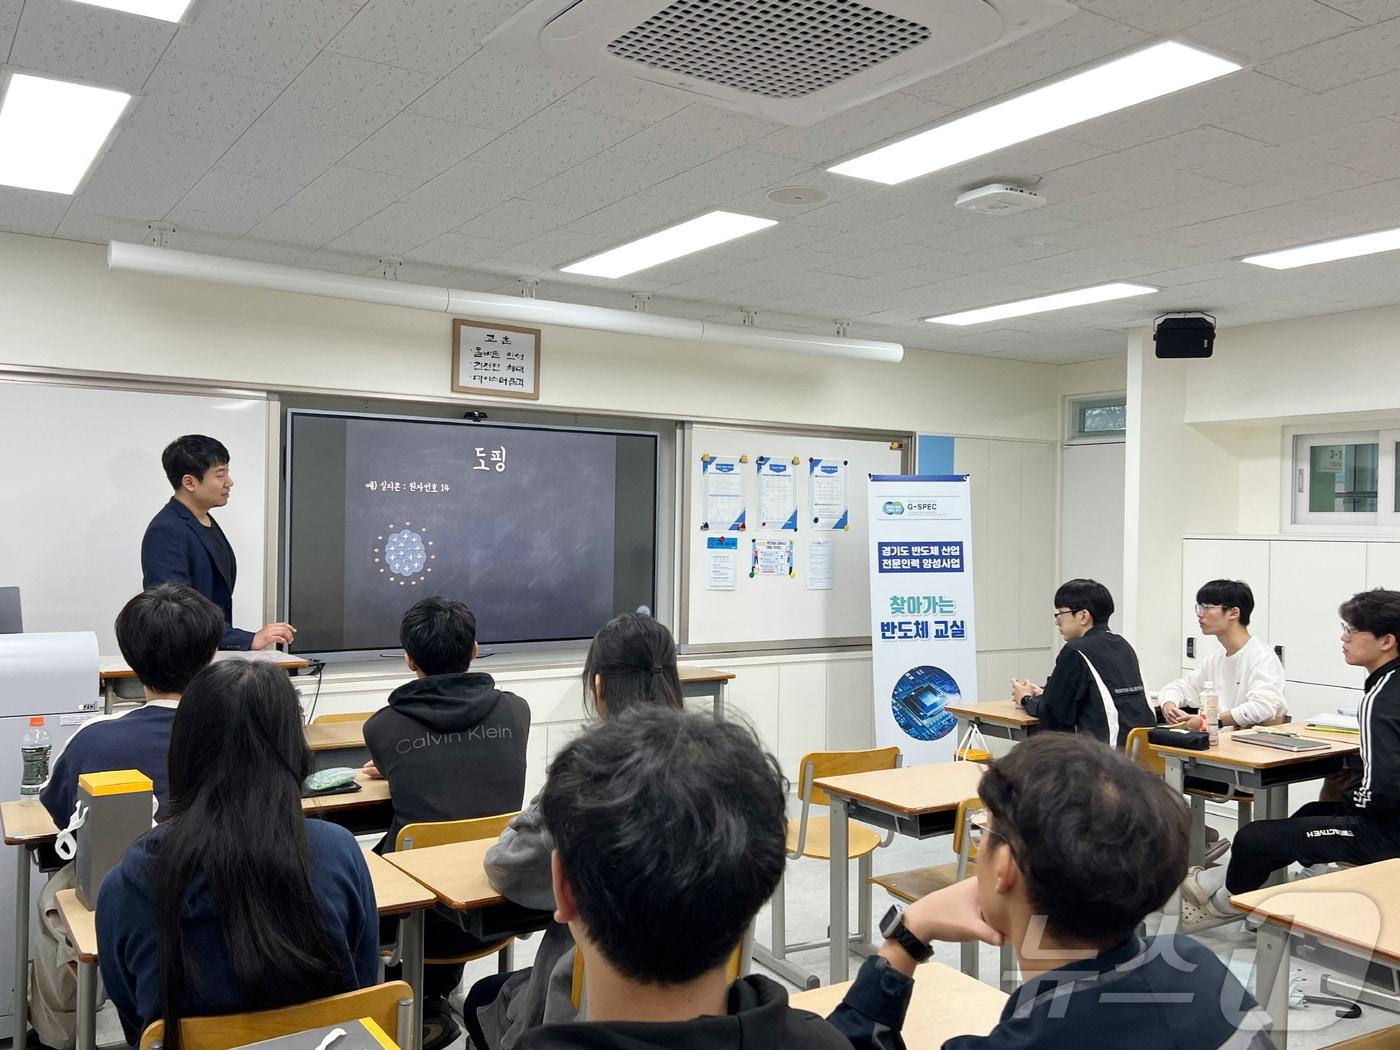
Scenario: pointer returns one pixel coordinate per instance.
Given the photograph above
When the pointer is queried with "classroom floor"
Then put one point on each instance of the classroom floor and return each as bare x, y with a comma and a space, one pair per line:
1312, 1027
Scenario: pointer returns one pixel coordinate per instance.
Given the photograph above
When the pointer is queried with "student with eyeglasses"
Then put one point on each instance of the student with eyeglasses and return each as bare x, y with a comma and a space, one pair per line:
1096, 685
1362, 826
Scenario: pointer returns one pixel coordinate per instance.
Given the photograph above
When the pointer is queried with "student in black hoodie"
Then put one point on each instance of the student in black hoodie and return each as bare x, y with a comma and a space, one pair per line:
669, 832
452, 747
1096, 685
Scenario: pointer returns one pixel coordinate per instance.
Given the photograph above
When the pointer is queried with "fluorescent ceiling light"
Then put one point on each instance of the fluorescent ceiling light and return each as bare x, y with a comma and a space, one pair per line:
1147, 74
51, 130
1327, 251
1100, 293
671, 243
165, 10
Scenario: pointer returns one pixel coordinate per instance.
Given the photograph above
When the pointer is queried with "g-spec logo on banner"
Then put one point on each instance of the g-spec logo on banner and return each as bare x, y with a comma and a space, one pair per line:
920, 557
944, 508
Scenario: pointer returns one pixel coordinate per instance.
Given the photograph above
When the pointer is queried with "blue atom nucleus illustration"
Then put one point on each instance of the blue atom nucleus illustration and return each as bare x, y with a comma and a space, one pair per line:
403, 554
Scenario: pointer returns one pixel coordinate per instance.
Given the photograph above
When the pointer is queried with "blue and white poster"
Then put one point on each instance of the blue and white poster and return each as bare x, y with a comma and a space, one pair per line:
923, 646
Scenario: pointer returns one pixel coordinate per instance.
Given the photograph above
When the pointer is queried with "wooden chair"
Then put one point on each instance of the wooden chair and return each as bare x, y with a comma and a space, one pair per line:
347, 716
390, 1006
736, 967
1140, 751
440, 833
810, 836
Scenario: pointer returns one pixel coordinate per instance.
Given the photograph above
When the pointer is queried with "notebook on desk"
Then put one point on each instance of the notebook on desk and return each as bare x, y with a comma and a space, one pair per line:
1282, 741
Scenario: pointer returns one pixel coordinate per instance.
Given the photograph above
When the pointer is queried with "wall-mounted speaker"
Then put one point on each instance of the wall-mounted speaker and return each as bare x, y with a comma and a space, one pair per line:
1184, 335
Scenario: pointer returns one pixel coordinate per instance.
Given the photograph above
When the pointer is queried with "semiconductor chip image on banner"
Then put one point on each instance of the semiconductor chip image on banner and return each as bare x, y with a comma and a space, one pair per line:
920, 700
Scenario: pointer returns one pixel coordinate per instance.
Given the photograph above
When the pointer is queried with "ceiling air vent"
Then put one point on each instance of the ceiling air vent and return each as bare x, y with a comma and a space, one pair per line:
792, 61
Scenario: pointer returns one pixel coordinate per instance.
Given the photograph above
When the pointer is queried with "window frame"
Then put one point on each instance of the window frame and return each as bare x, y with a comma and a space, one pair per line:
1298, 441
1074, 407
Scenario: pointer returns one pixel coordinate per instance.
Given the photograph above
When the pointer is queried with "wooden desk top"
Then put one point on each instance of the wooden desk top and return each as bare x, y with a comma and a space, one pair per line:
912, 790
373, 791
26, 825
945, 1003
110, 668
1358, 907
456, 873
335, 736
690, 673
394, 892
1006, 712
81, 923
1229, 752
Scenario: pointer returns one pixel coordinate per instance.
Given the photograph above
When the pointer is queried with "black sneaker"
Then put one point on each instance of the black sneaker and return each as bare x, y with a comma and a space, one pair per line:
440, 1028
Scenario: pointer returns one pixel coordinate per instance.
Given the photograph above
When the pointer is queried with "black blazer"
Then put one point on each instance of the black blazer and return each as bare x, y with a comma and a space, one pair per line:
178, 549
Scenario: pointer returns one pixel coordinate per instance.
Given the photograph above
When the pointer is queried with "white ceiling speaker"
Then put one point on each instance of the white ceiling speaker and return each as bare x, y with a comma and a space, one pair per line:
998, 198
791, 61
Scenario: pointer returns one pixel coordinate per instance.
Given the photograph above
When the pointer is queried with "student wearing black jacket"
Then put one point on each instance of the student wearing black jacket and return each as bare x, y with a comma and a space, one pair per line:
1079, 845
1364, 825
452, 747
1096, 686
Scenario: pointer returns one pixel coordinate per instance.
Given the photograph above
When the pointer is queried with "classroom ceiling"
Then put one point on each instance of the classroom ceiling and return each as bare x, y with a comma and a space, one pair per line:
329, 133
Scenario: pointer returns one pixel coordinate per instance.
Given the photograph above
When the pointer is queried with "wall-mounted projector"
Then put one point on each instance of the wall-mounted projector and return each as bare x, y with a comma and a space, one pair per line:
999, 199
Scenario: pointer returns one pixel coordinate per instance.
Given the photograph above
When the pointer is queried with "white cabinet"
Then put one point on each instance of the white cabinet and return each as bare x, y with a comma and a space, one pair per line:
1221, 559
1383, 565
1308, 580
1306, 700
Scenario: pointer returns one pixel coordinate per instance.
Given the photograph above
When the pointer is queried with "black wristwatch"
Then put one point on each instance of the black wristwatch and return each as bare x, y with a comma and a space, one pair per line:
892, 928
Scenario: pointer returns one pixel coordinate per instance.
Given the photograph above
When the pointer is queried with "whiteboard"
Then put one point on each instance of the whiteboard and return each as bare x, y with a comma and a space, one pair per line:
81, 479
765, 611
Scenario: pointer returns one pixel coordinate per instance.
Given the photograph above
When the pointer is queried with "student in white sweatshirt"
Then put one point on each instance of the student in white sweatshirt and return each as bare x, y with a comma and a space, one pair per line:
1245, 672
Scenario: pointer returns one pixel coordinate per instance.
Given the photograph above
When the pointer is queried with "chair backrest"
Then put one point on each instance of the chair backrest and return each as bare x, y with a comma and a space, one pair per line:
735, 967
441, 832
380, 1003
967, 809
818, 764
345, 716
1140, 751
1382, 1039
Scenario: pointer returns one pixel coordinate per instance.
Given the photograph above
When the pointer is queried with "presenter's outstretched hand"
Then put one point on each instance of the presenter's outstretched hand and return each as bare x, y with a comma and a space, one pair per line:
274, 634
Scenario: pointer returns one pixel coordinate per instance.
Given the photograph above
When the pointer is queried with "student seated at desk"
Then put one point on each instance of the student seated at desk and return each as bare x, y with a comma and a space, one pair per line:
452, 747
631, 663
166, 634
236, 902
1245, 672
1361, 827
1096, 685
1077, 847
669, 833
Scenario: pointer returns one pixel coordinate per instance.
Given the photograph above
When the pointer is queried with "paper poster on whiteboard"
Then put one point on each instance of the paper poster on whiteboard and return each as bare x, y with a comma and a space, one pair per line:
723, 493
830, 511
771, 558
721, 553
923, 650
821, 573
777, 494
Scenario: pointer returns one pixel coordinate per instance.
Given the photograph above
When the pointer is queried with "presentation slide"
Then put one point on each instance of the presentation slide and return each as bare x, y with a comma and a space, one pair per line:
545, 533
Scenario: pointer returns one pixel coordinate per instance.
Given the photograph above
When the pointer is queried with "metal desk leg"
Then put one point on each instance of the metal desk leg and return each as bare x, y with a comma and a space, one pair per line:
411, 929
1010, 976
840, 865
721, 696
87, 1006
21, 947
1176, 780
1271, 978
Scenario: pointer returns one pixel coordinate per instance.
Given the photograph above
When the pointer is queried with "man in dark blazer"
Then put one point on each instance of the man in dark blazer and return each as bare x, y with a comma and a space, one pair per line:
184, 544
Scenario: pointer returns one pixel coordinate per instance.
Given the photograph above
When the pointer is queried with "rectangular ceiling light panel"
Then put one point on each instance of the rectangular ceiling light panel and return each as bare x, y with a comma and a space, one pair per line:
1329, 251
165, 10
697, 234
51, 130
1147, 74
1100, 293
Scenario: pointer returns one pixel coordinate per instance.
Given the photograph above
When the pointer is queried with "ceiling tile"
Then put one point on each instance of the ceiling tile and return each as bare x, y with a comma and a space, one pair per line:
630, 99
231, 203
557, 248
596, 183
932, 261
431, 36
775, 239
691, 137
1379, 199
469, 183
145, 174
1366, 10
856, 130
1159, 18
266, 251
556, 137
493, 92
338, 261
1319, 114
96, 228
353, 195
92, 44
255, 38
201, 103
1362, 53
417, 146
520, 220
308, 228
1266, 28
398, 229
31, 211
456, 250
270, 148
9, 22
637, 215
348, 96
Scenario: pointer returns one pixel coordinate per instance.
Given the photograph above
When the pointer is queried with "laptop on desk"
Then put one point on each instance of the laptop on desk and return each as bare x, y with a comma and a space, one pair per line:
1282, 741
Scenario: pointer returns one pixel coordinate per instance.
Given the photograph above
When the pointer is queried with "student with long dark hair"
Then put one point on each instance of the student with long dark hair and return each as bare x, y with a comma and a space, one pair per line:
237, 902
631, 664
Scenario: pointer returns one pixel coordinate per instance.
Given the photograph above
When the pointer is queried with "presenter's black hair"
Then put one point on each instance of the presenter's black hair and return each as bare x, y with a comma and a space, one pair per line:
636, 658
237, 760
671, 830
1228, 594
438, 635
1089, 595
167, 634
1100, 841
193, 454
1376, 611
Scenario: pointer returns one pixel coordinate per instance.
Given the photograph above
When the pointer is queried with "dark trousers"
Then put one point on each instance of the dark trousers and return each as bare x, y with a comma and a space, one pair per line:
442, 938
1319, 833
483, 993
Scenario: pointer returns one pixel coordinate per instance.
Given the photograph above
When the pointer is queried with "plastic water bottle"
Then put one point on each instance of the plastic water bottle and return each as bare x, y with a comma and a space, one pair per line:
34, 750
1210, 707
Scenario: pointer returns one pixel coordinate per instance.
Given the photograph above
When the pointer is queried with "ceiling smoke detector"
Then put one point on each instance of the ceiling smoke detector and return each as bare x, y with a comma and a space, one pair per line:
792, 61
998, 199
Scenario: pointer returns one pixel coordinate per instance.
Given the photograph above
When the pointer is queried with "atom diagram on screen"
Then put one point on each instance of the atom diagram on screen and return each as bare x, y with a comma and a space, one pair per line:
403, 554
